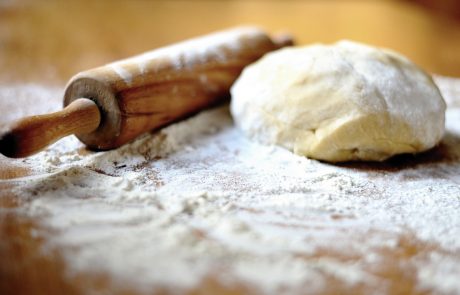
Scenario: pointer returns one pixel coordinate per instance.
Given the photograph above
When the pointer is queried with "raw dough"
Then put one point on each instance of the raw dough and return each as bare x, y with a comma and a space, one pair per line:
340, 102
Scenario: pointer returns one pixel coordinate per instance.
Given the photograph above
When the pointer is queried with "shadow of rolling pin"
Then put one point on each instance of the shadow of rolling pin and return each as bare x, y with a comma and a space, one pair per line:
109, 106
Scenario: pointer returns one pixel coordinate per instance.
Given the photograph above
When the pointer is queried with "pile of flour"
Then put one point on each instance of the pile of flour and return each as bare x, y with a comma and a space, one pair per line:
197, 201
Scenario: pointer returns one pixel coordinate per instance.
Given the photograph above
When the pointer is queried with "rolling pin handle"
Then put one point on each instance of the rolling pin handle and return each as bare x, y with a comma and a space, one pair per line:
32, 134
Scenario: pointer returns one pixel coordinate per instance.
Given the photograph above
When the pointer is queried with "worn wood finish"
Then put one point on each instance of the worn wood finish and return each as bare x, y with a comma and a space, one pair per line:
151, 90
32, 134
143, 92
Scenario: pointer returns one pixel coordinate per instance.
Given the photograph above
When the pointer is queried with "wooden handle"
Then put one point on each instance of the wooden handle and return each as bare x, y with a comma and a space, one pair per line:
145, 92
162, 86
30, 135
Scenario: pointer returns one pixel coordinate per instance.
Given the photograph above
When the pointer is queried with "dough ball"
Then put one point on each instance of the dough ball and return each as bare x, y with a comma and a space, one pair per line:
340, 102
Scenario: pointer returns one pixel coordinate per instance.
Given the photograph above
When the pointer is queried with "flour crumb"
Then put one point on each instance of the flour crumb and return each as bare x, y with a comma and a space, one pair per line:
197, 200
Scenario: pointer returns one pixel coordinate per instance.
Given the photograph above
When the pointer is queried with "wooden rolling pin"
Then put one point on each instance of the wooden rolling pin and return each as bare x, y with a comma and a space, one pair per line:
109, 106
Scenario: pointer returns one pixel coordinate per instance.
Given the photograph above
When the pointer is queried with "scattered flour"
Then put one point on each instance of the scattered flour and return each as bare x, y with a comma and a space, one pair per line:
197, 200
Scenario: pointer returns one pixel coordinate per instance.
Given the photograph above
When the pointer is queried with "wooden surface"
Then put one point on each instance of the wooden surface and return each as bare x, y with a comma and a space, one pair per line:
52, 40
47, 42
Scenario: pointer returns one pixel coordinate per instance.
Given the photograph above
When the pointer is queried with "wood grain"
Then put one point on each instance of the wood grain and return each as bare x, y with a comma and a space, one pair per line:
32, 134
113, 104
46, 42
145, 92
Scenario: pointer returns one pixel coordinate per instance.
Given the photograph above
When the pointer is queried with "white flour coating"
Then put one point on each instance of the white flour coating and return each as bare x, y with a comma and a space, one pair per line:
15, 97
220, 46
122, 73
198, 200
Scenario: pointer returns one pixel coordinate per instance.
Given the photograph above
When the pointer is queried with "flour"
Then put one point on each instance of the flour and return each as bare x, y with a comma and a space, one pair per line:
198, 201
221, 47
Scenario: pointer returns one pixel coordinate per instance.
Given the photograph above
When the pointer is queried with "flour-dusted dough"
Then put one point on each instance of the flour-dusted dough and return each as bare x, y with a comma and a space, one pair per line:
342, 102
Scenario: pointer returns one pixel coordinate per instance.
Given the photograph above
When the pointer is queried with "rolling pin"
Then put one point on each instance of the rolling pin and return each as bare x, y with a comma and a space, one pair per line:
109, 106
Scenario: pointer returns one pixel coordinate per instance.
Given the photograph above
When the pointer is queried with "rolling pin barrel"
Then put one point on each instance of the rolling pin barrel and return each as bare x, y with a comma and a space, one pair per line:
153, 89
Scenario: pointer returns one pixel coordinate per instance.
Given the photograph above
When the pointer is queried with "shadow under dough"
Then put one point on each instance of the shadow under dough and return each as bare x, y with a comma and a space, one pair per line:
447, 152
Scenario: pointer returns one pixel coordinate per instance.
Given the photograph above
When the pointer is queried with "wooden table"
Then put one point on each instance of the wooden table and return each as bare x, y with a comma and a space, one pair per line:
47, 42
